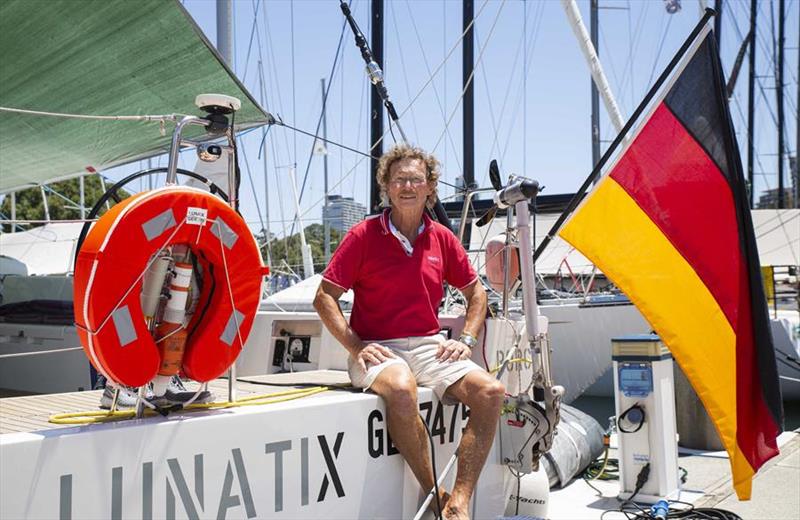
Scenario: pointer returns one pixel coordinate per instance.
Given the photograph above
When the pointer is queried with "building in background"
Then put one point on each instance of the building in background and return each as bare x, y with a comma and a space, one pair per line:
342, 213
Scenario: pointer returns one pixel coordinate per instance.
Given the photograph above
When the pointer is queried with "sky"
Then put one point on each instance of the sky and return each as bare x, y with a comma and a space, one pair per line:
531, 84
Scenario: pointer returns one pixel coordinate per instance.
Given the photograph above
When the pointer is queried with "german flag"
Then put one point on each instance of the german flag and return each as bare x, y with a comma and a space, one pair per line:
670, 225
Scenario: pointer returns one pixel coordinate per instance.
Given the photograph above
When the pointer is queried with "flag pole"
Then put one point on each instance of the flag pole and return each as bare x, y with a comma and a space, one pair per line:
573, 203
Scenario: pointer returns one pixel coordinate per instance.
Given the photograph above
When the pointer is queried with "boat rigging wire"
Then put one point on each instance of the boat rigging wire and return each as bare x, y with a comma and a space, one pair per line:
340, 145
373, 71
750, 133
274, 80
494, 150
253, 186
294, 79
444, 60
401, 114
328, 86
471, 76
253, 29
442, 111
519, 94
419, 93
660, 48
393, 16
262, 84
596, 171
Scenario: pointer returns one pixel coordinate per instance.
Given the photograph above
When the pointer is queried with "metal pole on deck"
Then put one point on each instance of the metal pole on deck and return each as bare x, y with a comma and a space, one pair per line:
82, 187
468, 113
376, 107
225, 31
13, 208
779, 94
751, 99
225, 48
797, 131
268, 231
44, 203
595, 30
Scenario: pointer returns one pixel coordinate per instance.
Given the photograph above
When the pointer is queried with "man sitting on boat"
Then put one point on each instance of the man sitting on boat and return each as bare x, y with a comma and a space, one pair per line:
396, 263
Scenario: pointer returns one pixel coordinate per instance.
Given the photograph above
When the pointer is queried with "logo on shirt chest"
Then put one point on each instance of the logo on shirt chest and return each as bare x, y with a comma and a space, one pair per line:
434, 259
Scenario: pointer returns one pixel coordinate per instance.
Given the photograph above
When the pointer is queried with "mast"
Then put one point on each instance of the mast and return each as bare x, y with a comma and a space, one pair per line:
797, 133
779, 92
718, 22
751, 99
468, 136
225, 31
305, 249
376, 107
594, 28
13, 209
268, 231
325, 221
589, 53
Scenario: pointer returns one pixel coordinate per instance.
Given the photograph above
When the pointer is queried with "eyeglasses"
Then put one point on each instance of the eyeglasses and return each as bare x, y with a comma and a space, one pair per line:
415, 182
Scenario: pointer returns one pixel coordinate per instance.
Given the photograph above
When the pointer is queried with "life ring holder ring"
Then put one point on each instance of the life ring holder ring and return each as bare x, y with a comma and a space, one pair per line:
111, 193
110, 266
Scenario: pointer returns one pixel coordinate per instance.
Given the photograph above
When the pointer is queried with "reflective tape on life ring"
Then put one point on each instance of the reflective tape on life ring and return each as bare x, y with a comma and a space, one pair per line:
108, 282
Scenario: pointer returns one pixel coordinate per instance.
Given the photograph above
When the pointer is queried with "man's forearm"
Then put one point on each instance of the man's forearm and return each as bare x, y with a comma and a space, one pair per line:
476, 313
333, 319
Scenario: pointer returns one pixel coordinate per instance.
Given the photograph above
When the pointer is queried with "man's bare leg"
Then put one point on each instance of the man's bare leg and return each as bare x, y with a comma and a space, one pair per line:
483, 394
398, 388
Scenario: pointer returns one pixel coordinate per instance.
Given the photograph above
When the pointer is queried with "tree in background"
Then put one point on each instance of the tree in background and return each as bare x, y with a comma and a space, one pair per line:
30, 206
314, 237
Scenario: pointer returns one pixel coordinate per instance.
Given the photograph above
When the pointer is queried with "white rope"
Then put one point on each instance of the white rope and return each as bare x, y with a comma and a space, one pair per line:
39, 352
159, 118
133, 285
228, 280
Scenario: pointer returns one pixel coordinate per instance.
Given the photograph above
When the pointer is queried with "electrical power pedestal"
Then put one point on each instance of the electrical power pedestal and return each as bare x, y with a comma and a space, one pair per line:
644, 401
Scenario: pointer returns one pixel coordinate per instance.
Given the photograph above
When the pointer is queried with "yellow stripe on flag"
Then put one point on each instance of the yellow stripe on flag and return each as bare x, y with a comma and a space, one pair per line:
613, 232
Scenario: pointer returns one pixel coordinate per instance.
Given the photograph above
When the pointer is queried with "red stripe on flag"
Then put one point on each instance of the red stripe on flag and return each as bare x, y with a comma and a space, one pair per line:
756, 431
678, 186
684, 193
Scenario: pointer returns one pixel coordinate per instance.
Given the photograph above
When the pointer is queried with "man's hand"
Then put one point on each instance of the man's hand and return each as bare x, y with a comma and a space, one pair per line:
453, 350
373, 353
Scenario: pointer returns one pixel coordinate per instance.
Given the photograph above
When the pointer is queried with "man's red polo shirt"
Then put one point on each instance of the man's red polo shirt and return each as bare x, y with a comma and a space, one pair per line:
397, 295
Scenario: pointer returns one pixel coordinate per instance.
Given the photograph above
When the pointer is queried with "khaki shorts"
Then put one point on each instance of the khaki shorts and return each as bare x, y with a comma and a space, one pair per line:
419, 355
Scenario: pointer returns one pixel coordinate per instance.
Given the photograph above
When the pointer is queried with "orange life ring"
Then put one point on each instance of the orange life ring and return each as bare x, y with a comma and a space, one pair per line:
108, 281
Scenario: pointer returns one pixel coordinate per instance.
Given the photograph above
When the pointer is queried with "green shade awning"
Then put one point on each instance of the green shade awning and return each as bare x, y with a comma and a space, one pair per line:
100, 57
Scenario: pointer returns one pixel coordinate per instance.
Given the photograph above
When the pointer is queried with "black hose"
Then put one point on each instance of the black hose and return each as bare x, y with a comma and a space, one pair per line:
624, 414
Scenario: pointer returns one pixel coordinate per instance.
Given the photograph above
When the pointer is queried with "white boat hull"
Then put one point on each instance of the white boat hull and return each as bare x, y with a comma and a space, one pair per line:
328, 456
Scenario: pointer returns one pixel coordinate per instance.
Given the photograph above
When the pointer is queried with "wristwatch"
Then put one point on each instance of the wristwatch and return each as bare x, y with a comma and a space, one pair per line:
468, 340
